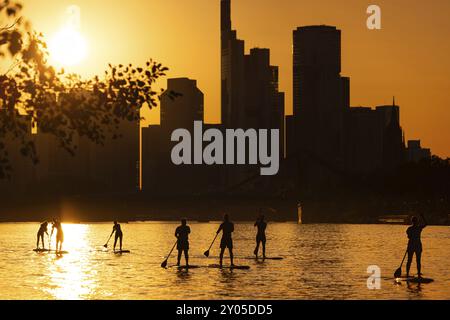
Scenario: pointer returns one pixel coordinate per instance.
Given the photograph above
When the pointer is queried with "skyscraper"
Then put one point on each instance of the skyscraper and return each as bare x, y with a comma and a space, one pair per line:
250, 93
393, 144
321, 97
232, 72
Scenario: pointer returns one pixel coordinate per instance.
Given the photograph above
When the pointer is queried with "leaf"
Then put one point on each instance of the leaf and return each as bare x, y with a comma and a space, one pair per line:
15, 42
11, 11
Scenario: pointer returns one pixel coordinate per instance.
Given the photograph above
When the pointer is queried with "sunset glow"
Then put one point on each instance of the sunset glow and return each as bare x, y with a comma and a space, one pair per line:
68, 47
223, 158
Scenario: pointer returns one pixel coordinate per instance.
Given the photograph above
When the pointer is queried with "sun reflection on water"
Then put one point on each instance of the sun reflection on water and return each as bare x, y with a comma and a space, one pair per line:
69, 274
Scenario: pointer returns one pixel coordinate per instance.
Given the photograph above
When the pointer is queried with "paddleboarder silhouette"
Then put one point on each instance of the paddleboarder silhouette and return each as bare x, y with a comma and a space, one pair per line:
182, 234
56, 224
415, 244
118, 236
260, 235
40, 234
227, 228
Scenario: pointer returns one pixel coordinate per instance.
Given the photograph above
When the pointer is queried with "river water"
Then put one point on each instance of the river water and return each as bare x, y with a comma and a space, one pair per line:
320, 262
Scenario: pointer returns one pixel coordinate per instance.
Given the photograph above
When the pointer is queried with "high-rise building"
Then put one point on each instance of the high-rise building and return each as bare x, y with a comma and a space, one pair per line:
182, 111
415, 152
321, 97
160, 176
373, 139
232, 71
363, 140
393, 141
317, 67
264, 104
250, 92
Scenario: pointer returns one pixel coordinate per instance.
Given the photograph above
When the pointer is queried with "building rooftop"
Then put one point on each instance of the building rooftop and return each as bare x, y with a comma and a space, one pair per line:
317, 27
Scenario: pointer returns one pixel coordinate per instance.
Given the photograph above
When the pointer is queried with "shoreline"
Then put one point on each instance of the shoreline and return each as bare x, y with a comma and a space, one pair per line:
193, 221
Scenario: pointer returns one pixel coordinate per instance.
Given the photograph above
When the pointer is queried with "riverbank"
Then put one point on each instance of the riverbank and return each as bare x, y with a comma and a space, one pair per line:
142, 207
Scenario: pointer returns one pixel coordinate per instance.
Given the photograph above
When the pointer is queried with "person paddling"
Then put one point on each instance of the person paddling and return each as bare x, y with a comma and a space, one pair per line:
227, 228
182, 234
40, 234
415, 244
59, 234
118, 235
260, 235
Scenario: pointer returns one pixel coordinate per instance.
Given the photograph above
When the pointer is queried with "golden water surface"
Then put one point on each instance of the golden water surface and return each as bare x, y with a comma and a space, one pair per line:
320, 262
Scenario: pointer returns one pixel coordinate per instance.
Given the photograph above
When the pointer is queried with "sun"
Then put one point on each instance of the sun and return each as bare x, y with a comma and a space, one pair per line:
68, 47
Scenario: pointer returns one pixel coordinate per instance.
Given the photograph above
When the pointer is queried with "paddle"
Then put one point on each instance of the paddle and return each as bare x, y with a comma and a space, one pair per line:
106, 244
207, 251
398, 272
164, 263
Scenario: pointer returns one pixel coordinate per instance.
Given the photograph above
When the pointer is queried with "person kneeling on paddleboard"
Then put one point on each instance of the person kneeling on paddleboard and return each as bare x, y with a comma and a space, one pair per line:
40, 234
119, 235
227, 229
415, 244
182, 234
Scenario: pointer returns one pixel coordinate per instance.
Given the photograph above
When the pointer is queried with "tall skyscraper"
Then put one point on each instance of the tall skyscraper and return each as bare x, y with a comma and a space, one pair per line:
232, 73
321, 97
250, 93
264, 104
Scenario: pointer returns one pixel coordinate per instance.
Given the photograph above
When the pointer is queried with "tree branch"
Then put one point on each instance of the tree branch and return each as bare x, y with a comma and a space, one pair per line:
12, 25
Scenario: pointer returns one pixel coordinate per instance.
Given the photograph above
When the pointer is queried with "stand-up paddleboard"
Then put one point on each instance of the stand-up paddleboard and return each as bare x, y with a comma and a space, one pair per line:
415, 280
50, 251
186, 267
262, 259
122, 251
217, 266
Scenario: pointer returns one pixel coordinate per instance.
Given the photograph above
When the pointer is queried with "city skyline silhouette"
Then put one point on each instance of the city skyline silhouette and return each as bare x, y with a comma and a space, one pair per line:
382, 63
327, 145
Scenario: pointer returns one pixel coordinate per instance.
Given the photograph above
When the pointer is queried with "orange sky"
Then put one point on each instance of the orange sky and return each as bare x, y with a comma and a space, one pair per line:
408, 58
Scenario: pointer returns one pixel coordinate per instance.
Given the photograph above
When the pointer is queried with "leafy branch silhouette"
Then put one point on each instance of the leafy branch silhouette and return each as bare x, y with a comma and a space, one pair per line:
34, 94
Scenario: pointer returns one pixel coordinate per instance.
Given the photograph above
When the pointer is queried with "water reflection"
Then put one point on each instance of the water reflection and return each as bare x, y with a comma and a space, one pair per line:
320, 262
415, 289
70, 275
183, 275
